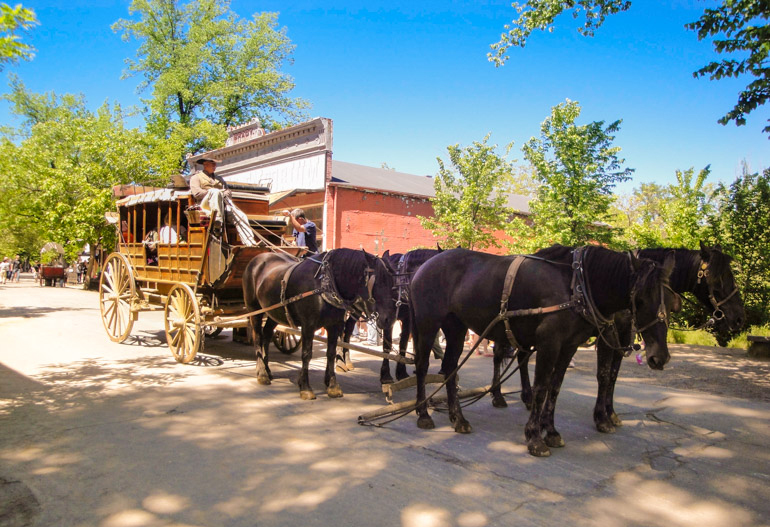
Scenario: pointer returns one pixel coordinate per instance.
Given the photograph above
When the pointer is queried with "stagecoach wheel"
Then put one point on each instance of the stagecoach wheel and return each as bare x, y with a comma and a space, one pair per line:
183, 323
286, 342
116, 292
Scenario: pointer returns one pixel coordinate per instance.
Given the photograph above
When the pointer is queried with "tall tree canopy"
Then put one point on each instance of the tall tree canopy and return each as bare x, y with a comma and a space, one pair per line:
13, 20
576, 167
471, 196
59, 169
207, 69
741, 224
743, 23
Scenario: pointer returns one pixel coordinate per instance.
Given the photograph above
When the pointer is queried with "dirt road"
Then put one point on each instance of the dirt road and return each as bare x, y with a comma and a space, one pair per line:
94, 433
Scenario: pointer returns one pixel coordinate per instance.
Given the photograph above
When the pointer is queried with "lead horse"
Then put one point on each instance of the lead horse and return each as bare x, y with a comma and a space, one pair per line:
707, 275
552, 301
311, 294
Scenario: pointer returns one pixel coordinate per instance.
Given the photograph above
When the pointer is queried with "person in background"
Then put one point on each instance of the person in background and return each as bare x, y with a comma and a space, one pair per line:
304, 230
16, 269
128, 237
5, 266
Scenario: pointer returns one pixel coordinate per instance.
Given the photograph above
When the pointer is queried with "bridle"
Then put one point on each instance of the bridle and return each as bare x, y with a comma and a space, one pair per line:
362, 308
703, 273
661, 317
401, 285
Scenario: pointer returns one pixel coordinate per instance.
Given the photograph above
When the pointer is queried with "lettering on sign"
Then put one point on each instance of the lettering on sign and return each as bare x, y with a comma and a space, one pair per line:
245, 135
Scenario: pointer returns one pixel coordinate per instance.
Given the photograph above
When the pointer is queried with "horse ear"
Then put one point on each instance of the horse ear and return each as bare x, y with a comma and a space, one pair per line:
386, 255
669, 263
635, 263
439, 248
386, 261
705, 252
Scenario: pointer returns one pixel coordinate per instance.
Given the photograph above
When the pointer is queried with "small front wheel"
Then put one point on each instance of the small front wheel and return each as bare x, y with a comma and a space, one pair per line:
183, 323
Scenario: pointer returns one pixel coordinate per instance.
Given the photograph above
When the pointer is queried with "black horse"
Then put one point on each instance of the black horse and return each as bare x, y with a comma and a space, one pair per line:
460, 289
707, 275
405, 265
314, 293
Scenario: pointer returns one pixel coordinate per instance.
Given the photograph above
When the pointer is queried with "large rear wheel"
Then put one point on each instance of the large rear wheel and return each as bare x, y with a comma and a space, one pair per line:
286, 342
116, 293
183, 323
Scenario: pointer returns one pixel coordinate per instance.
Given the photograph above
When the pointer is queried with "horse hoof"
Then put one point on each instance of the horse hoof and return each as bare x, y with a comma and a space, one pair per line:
386, 380
538, 448
306, 395
349, 366
554, 440
341, 368
426, 423
334, 392
463, 427
605, 427
263, 379
617, 421
499, 402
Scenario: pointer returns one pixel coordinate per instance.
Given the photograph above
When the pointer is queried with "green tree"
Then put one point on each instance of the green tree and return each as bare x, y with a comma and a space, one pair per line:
746, 31
743, 24
471, 196
576, 168
741, 224
58, 177
646, 224
13, 20
208, 69
684, 213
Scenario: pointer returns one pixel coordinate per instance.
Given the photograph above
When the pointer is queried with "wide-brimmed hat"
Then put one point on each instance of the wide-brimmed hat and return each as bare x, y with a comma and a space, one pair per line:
204, 159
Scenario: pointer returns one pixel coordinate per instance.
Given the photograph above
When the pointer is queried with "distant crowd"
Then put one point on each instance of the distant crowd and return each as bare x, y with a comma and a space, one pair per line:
11, 268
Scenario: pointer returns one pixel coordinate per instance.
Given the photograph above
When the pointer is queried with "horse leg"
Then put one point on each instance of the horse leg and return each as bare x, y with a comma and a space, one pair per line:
625, 337
305, 391
333, 389
403, 342
617, 359
260, 341
552, 437
454, 332
342, 359
498, 401
543, 373
422, 339
604, 361
526, 386
387, 347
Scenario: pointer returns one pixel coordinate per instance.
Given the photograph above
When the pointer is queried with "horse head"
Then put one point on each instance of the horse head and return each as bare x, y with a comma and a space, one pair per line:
716, 287
379, 288
652, 301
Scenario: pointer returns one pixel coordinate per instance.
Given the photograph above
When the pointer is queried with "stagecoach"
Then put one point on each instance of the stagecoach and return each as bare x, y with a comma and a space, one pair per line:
172, 256
195, 275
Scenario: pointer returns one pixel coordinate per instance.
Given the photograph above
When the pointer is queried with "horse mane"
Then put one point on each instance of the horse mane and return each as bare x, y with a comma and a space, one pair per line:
557, 253
687, 264
347, 265
417, 257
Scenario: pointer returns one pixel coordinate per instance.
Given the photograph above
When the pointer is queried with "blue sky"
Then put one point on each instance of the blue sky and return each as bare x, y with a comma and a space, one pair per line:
403, 80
